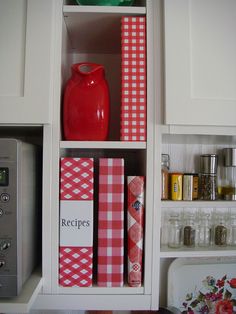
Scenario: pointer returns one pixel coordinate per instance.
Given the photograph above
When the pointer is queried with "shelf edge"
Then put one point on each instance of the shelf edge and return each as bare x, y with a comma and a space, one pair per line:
198, 253
103, 9
28, 295
103, 145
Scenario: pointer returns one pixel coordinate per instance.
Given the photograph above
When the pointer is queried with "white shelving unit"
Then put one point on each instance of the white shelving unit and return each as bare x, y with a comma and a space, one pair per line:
93, 34
89, 33
176, 133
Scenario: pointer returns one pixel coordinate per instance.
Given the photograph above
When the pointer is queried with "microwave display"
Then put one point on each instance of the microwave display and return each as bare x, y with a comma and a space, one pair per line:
4, 176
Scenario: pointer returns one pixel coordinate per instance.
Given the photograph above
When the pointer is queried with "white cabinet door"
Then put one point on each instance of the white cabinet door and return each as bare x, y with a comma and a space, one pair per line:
200, 60
25, 60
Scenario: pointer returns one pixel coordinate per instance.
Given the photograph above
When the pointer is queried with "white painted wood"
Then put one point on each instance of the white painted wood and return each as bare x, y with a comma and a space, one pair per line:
26, 61
184, 144
149, 212
61, 67
196, 253
95, 290
139, 155
12, 52
200, 49
198, 204
96, 302
46, 207
132, 10
24, 302
103, 145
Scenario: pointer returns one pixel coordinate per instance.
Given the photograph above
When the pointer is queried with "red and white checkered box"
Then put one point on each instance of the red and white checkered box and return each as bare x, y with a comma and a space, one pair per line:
135, 229
111, 222
76, 222
133, 79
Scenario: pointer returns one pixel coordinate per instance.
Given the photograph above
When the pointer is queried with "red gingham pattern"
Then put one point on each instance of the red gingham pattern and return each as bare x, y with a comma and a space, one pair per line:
75, 263
133, 82
75, 266
135, 229
111, 222
76, 179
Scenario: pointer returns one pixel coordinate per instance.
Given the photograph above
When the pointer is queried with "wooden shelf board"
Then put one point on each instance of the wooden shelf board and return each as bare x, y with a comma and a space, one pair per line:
198, 204
197, 252
103, 145
23, 302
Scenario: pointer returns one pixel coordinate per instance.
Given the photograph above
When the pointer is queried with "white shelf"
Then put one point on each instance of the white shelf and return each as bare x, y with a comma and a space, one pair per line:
101, 24
101, 290
95, 302
198, 204
202, 130
122, 10
24, 302
103, 145
197, 252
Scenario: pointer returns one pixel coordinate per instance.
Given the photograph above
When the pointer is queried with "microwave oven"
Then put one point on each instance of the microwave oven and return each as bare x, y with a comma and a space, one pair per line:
18, 214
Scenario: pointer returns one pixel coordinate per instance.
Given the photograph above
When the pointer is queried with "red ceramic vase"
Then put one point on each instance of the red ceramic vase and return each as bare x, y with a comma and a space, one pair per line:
86, 104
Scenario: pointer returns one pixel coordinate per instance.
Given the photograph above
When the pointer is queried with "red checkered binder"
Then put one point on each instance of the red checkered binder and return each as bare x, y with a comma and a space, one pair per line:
133, 82
111, 222
76, 222
135, 214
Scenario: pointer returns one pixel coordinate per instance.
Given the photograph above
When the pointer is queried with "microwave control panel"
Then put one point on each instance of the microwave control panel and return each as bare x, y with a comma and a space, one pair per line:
8, 225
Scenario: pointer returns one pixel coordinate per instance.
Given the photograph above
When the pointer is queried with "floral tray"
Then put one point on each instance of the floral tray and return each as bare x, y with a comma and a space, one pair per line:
203, 285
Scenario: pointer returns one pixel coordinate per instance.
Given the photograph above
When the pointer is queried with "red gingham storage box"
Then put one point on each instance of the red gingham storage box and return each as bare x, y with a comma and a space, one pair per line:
133, 79
76, 222
111, 222
135, 225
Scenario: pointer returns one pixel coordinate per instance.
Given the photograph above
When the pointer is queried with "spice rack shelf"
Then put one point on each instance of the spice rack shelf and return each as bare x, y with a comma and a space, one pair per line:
196, 252
198, 204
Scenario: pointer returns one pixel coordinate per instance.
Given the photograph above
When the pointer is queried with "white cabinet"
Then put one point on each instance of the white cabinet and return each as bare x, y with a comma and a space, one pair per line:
93, 34
196, 106
26, 59
200, 63
184, 145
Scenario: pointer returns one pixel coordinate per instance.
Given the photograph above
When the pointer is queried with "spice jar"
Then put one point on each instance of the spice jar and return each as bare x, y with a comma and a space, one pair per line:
176, 186
232, 230
190, 186
174, 231
220, 231
165, 165
229, 174
204, 230
208, 177
189, 230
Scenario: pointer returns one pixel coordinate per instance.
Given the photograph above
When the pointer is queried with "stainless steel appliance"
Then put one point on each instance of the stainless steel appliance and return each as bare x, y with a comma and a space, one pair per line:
18, 217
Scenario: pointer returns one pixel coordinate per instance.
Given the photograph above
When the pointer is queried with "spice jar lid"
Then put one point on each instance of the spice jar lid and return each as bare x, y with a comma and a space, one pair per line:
229, 157
208, 163
165, 160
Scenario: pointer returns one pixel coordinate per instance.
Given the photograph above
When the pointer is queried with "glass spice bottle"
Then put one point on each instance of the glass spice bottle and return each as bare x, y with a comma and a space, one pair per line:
220, 231
204, 230
174, 231
165, 165
208, 177
189, 230
232, 230
229, 174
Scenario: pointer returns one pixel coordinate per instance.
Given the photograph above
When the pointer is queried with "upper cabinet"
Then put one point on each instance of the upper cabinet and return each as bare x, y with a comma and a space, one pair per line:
25, 61
200, 73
